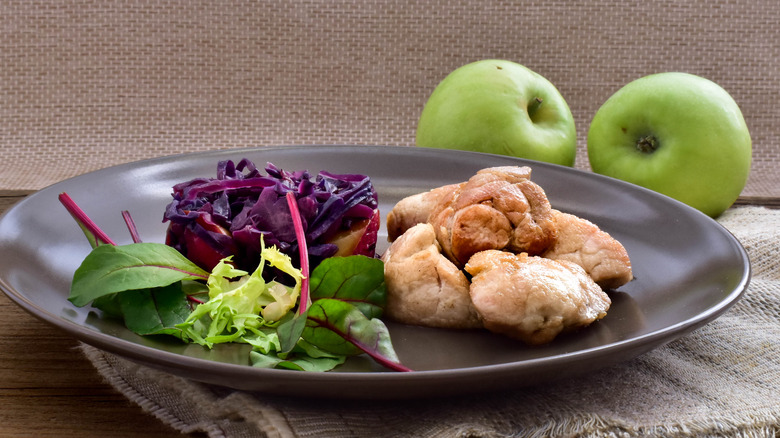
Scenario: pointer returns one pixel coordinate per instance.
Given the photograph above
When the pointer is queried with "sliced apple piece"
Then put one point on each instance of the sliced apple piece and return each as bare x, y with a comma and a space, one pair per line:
360, 239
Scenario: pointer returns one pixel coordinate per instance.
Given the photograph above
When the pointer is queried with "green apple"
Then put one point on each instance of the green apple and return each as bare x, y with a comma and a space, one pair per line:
499, 107
675, 133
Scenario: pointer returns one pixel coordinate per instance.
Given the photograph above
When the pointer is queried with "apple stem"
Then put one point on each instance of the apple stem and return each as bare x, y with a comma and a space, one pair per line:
647, 144
534, 106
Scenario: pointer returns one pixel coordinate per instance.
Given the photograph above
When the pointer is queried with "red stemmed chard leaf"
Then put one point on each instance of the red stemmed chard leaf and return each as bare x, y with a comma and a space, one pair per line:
339, 327
110, 269
94, 234
131, 226
300, 236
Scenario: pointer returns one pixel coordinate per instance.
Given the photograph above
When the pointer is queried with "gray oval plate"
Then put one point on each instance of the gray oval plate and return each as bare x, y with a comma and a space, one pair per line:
688, 271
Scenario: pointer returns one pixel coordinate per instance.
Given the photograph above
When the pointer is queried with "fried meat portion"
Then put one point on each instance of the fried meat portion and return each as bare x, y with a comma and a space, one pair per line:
535, 272
416, 209
497, 208
582, 242
424, 287
531, 298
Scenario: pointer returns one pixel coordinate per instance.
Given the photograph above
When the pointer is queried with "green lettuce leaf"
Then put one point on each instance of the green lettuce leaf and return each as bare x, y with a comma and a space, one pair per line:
339, 327
108, 269
357, 279
155, 311
238, 309
305, 357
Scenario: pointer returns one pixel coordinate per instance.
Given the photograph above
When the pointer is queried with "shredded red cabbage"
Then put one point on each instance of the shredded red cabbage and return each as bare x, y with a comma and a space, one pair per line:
212, 218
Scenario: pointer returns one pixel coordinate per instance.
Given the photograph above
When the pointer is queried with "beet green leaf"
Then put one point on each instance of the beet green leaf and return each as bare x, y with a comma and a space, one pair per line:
154, 311
109, 269
340, 328
305, 357
358, 280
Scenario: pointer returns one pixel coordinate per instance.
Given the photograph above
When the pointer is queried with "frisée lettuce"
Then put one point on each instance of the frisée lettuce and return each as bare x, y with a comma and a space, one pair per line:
241, 304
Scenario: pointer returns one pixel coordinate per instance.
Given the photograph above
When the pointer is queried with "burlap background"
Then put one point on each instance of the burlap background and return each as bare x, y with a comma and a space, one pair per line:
86, 84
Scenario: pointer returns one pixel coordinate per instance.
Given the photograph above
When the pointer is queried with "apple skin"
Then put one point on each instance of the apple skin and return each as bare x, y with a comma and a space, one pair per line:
703, 152
484, 107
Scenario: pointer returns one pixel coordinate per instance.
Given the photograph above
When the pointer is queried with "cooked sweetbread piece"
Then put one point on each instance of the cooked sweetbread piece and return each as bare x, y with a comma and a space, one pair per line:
416, 209
498, 208
582, 242
424, 287
531, 298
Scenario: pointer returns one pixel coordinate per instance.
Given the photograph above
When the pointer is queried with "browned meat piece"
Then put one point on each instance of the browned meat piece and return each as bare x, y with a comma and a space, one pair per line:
415, 209
533, 299
424, 287
498, 208
582, 242
536, 272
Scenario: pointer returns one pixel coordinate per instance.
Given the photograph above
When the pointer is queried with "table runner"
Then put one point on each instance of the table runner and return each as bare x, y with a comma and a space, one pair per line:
721, 380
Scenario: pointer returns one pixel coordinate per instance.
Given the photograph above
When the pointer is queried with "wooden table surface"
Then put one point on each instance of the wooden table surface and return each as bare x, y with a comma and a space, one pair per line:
48, 387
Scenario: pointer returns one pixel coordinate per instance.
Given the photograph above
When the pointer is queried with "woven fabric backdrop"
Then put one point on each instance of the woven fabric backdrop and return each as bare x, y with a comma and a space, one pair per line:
88, 84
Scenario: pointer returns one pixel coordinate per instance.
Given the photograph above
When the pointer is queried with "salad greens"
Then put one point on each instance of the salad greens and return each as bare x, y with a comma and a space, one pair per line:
112, 268
237, 310
158, 291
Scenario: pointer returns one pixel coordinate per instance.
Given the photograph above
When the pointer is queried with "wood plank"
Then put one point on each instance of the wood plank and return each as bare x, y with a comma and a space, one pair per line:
9, 198
763, 201
48, 387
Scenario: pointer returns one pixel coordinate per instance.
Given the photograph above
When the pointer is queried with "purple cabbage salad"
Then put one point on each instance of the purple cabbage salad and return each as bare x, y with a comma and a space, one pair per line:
213, 218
